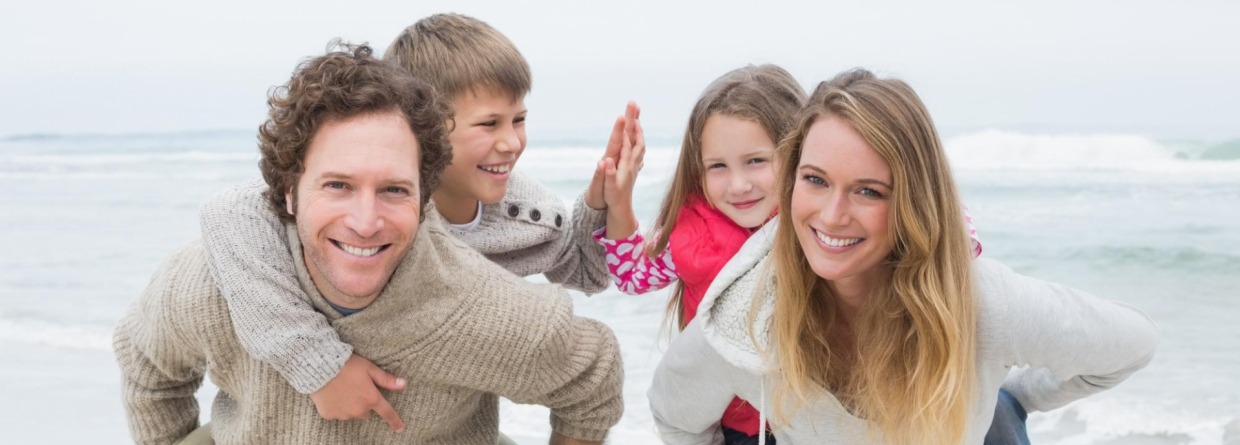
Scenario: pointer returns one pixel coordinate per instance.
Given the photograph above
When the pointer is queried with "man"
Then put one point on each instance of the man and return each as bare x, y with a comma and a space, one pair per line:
352, 150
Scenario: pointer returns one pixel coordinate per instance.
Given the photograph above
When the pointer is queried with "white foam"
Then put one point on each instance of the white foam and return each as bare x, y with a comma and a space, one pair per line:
1005, 150
92, 337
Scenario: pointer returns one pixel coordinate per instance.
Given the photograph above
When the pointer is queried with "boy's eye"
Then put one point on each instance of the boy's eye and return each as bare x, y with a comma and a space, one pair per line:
490, 123
519, 120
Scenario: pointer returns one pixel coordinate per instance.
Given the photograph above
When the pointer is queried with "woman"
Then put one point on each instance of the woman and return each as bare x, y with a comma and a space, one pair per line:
859, 315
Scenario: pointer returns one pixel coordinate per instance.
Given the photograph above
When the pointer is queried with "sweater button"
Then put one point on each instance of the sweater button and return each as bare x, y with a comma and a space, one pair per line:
535, 215
513, 211
559, 221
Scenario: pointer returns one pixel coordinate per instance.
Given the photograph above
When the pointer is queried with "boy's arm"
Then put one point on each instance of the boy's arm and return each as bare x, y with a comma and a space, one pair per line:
160, 368
253, 267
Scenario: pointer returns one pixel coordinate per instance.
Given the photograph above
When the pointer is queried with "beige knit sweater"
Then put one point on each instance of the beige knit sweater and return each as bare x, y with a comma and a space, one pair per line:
528, 232
461, 329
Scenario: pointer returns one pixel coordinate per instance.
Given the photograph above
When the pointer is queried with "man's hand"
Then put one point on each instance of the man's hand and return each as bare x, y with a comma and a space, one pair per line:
624, 126
353, 393
558, 439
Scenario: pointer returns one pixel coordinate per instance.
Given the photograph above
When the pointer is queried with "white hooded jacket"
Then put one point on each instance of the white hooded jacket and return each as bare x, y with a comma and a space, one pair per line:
1064, 344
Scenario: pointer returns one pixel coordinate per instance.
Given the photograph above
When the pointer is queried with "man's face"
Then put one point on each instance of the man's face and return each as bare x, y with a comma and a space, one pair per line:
357, 205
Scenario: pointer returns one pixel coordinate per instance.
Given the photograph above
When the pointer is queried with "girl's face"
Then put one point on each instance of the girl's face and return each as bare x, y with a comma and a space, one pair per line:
840, 204
739, 175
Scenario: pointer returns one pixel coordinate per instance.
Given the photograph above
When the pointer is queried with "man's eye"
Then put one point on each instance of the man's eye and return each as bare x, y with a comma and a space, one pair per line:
396, 190
336, 185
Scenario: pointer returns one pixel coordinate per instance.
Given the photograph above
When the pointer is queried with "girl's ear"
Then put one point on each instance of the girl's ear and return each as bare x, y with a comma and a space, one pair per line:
288, 201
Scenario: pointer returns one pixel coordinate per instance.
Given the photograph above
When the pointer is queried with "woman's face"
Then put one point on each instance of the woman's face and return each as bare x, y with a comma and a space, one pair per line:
840, 204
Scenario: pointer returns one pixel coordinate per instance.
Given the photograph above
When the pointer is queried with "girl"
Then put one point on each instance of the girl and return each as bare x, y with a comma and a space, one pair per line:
723, 189
863, 307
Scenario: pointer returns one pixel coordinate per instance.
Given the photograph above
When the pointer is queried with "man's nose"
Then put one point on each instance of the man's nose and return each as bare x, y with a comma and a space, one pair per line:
364, 217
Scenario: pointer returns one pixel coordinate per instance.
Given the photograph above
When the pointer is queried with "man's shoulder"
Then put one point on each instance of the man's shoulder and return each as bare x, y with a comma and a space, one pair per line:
183, 288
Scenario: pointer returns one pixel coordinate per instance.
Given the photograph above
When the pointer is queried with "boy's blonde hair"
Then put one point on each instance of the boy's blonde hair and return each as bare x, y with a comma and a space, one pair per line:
459, 54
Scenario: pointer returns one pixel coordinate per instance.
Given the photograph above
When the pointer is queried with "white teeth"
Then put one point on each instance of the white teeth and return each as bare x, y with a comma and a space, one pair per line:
836, 242
498, 169
357, 251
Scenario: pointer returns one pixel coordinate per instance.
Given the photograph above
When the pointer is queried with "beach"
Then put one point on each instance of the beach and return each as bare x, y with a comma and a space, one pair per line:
1154, 223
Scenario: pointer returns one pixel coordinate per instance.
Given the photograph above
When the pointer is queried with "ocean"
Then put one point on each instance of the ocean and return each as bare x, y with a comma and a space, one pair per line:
1155, 223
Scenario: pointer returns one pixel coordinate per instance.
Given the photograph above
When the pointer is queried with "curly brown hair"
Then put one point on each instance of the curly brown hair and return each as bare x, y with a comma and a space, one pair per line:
344, 83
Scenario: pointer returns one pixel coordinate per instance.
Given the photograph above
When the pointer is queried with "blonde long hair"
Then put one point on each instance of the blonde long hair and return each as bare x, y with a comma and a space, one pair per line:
766, 94
910, 371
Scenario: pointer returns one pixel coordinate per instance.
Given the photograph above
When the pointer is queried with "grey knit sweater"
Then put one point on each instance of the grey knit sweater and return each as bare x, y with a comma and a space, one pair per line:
460, 343
528, 232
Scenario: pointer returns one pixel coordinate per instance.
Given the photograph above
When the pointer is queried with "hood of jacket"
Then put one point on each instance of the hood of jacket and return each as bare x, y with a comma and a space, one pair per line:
744, 285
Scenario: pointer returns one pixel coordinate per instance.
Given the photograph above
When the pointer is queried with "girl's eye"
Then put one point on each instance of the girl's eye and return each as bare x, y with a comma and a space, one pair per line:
871, 193
757, 161
814, 180
716, 165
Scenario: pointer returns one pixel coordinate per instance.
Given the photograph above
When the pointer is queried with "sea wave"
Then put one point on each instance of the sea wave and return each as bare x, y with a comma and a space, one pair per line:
92, 337
997, 149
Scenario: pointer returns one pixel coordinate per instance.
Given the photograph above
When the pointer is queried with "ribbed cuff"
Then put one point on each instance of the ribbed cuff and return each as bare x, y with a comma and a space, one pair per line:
311, 369
581, 433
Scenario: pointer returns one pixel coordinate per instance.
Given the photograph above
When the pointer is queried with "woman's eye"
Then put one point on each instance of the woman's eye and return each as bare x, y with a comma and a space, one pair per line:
869, 192
814, 180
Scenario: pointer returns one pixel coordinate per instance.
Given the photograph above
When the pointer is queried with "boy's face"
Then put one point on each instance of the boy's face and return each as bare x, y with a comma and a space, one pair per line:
487, 139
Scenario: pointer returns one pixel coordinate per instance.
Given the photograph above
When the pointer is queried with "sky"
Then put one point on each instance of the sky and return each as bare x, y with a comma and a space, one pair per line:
1156, 68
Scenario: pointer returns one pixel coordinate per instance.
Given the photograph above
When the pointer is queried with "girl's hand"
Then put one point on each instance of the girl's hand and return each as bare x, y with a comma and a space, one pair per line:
619, 176
594, 192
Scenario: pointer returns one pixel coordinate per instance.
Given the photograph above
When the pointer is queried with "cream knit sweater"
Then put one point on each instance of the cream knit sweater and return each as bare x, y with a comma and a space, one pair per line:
461, 342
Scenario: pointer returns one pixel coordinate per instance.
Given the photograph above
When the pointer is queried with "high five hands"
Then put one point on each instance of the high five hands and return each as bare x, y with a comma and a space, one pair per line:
612, 185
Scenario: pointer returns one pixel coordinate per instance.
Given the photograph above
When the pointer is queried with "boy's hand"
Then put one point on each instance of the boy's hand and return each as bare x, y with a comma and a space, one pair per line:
594, 192
352, 394
560, 439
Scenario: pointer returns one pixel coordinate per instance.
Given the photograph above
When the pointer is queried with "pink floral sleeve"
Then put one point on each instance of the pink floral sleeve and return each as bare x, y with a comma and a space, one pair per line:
977, 242
633, 271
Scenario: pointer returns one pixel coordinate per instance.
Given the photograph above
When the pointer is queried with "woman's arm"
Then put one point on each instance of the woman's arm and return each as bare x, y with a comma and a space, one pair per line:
1074, 343
691, 389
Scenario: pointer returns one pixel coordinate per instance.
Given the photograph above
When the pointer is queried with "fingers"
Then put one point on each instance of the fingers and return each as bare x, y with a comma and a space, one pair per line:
385, 380
617, 138
385, 411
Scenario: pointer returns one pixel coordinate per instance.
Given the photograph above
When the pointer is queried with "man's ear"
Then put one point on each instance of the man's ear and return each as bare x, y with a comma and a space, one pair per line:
288, 201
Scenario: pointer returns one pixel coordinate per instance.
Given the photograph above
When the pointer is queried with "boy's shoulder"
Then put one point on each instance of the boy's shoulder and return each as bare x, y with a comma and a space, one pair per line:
529, 201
